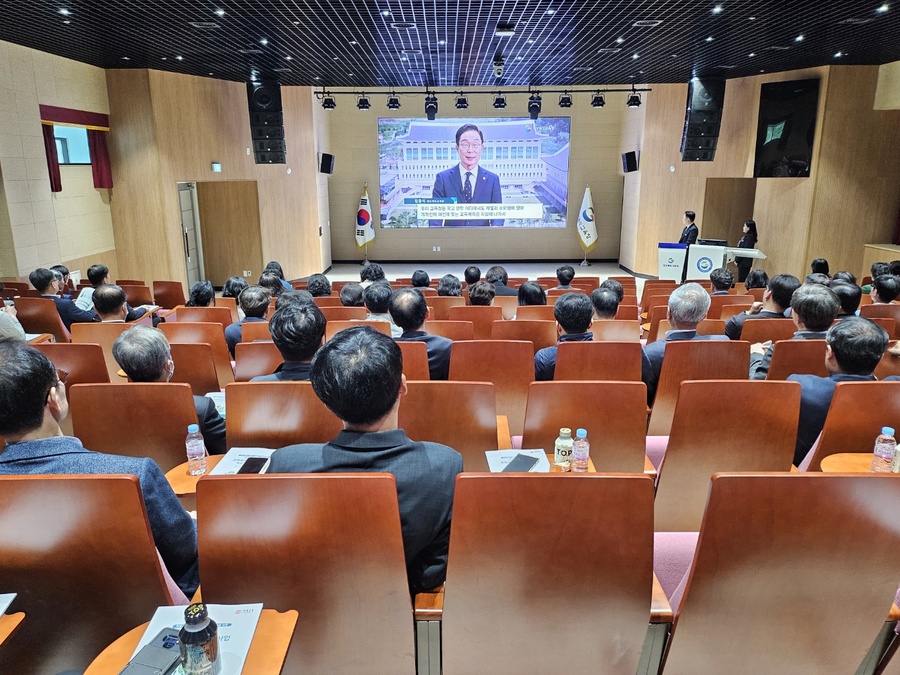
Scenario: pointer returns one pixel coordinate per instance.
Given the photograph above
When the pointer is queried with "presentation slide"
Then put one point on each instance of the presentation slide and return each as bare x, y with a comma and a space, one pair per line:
474, 172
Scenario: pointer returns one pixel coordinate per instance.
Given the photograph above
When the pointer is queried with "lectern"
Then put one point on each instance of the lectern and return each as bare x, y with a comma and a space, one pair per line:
671, 261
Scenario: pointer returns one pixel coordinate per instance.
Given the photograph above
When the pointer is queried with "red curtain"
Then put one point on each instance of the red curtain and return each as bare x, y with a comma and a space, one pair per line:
52, 159
99, 158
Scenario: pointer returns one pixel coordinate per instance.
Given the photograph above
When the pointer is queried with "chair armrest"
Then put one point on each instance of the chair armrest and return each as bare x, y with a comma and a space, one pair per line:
660, 609
429, 606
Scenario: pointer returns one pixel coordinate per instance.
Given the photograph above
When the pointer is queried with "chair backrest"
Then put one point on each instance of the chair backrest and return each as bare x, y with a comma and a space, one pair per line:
656, 314
252, 359
613, 413
694, 360
761, 330
441, 305
151, 419
889, 364
509, 364
17, 285
655, 301
168, 294
717, 302
194, 365
275, 414
131, 282
892, 311
535, 313
797, 357
771, 545
598, 361
103, 334
889, 325
756, 293
255, 330
137, 295
231, 305
482, 318
655, 287
209, 333
857, 413
540, 333
705, 327
559, 292
589, 284
415, 360
84, 363
344, 313
454, 330
627, 311
272, 539
598, 607
509, 304
515, 282
616, 330
462, 415
219, 315
81, 575
327, 301
730, 310
334, 327
700, 443
39, 315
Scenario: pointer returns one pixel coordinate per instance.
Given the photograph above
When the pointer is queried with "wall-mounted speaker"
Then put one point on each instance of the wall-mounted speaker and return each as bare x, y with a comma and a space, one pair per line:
266, 121
327, 163
629, 162
702, 119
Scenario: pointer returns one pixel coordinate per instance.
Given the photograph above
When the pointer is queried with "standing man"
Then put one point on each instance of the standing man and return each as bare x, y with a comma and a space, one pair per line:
691, 231
468, 182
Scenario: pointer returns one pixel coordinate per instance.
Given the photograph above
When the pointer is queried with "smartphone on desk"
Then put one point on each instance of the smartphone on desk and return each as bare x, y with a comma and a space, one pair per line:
520, 463
253, 465
160, 656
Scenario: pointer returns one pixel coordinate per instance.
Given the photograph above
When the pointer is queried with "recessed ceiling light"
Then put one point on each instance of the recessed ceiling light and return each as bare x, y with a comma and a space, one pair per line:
403, 58
288, 58
883, 8
550, 10
263, 41
67, 21
442, 42
64, 12
296, 23
529, 42
752, 18
179, 58
799, 38
219, 12
674, 56
751, 54
126, 58
349, 74
165, 58
353, 42
717, 9
635, 56
210, 73
620, 40
317, 78
385, 12
762, 71
710, 38
838, 55
518, 58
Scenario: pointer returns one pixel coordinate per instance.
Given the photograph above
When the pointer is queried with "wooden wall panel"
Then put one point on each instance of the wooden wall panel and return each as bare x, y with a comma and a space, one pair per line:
229, 229
109, 258
887, 94
782, 211
728, 203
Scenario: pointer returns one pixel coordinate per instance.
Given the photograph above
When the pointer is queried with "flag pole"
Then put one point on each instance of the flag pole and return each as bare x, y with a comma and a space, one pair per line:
585, 263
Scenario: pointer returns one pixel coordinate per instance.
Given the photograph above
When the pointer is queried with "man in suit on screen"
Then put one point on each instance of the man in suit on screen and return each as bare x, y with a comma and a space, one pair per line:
468, 182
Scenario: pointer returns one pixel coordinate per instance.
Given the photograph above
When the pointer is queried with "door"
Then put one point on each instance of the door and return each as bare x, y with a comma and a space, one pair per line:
190, 232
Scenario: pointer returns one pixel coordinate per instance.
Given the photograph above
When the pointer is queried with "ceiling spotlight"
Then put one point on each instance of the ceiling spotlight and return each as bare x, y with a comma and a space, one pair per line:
179, 58
799, 38
838, 55
565, 100
462, 101
598, 100
328, 102
534, 105
264, 42
393, 102
634, 99
64, 11
431, 105
220, 12
717, 9
499, 101
363, 102
883, 8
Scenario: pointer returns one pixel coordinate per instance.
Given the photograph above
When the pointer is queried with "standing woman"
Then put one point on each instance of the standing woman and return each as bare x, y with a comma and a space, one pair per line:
747, 241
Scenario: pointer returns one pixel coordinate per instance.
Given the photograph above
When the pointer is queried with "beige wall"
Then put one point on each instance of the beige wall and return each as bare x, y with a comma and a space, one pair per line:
887, 93
594, 159
324, 134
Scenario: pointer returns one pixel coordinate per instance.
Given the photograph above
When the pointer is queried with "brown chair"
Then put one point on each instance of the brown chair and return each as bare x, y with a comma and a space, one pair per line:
889, 364
615, 330
509, 304
655, 287
598, 361
17, 285
462, 415
515, 282
540, 333
657, 314
705, 327
168, 294
889, 325
729, 311
627, 311
858, 411
209, 333
103, 334
194, 365
703, 441
535, 313
891, 311
39, 315
299, 285
694, 360
344, 313
717, 302
273, 539
555, 293
327, 301
599, 604
441, 305
508, 364
231, 305
334, 327
276, 414
454, 330
255, 330
613, 413
588, 284
151, 419
415, 360
137, 295
482, 318
83, 363
763, 330
252, 359
219, 315
131, 282
756, 293
653, 302
797, 357
79, 553
770, 545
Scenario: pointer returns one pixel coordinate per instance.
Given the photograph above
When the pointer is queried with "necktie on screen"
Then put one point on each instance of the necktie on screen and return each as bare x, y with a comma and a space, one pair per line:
467, 188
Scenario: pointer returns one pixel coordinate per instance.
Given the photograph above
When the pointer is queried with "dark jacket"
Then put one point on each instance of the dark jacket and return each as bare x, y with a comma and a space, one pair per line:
212, 426
70, 313
290, 371
759, 365
545, 359
438, 348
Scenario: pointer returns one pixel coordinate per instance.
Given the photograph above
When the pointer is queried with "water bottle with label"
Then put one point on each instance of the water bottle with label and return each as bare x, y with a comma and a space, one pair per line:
581, 451
196, 451
885, 445
563, 448
199, 638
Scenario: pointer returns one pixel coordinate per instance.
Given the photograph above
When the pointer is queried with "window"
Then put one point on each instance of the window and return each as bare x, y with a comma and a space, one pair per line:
72, 145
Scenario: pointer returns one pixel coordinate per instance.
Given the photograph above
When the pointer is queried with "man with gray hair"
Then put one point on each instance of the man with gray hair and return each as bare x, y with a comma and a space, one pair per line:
688, 306
144, 354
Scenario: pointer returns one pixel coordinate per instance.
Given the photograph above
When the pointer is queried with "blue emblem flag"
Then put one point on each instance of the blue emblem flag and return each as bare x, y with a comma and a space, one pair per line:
587, 228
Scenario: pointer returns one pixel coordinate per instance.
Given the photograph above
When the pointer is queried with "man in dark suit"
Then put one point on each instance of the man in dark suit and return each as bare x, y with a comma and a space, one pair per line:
468, 182
775, 302
408, 309
691, 231
688, 306
32, 404
298, 330
574, 315
144, 354
854, 348
358, 375
499, 278
46, 283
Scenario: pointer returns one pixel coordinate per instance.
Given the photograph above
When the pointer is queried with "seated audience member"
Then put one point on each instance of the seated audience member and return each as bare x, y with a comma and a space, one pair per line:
272, 284
849, 295
202, 294
254, 302
472, 275
482, 293
893, 267
358, 375
819, 266
370, 273
756, 279
449, 286
605, 303
564, 275
844, 276
818, 278
574, 315
274, 267
109, 303
497, 276
775, 302
885, 289
98, 275
813, 309
875, 271
298, 330
32, 404
420, 279
688, 305
352, 295
377, 298
298, 297
531, 293
318, 286
145, 356
62, 273
10, 328
233, 287
615, 287
854, 348
721, 279
46, 283
408, 309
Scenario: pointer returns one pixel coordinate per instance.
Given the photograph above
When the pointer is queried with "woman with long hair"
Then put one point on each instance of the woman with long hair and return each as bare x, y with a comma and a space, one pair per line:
747, 241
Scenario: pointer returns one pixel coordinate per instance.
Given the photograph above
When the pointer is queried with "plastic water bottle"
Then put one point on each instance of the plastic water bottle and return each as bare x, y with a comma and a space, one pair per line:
199, 642
563, 448
885, 445
581, 451
196, 451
